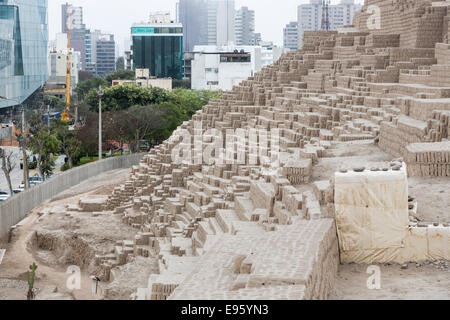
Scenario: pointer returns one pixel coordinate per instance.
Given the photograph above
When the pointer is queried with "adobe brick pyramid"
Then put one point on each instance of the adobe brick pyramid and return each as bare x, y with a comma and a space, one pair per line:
251, 231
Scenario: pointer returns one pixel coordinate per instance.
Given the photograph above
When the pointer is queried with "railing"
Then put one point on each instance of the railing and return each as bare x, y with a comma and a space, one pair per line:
17, 207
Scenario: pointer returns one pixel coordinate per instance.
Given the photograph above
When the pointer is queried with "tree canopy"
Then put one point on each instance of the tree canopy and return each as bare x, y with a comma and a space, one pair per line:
119, 74
125, 96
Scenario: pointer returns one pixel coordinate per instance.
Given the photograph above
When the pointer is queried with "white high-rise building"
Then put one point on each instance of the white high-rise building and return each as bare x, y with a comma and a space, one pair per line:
76, 14
220, 22
309, 16
57, 68
222, 67
245, 27
290, 36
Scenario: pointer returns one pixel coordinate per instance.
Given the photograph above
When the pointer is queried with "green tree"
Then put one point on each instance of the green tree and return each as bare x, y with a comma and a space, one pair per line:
70, 145
119, 74
43, 142
190, 101
120, 63
52, 101
125, 96
84, 75
87, 134
152, 122
185, 83
84, 87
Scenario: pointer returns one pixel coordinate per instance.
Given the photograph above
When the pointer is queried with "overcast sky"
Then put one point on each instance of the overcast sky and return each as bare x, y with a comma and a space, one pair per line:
117, 16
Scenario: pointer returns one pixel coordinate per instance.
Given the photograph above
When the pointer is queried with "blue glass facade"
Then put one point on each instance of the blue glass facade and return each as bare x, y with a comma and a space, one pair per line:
23, 49
158, 48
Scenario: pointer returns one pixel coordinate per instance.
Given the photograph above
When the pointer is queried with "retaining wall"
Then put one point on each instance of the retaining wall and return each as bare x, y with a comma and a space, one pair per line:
17, 207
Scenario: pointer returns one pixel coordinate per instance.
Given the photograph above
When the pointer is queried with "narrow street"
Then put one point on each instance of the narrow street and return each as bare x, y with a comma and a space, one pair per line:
17, 173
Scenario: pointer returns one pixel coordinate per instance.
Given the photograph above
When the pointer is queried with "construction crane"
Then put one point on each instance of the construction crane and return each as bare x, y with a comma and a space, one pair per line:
65, 116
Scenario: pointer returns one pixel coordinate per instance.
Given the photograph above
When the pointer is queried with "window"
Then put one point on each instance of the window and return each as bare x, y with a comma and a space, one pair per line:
235, 58
162, 55
146, 30
212, 83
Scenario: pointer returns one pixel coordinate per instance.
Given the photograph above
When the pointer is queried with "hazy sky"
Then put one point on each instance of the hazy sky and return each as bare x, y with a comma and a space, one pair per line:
117, 16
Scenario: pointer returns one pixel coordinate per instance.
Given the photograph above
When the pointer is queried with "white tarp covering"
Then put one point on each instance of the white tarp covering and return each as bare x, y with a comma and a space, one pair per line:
371, 210
372, 221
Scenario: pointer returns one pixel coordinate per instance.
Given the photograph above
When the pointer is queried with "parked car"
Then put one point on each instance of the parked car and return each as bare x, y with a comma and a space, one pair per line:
35, 180
144, 146
4, 196
18, 190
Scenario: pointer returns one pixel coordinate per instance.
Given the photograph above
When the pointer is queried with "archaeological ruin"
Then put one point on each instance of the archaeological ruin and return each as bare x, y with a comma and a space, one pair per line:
309, 165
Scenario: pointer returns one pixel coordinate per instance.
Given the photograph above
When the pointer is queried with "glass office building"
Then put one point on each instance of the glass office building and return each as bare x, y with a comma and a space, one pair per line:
23, 49
159, 47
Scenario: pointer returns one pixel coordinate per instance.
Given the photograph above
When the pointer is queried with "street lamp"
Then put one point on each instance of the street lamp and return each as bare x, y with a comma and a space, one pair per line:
100, 93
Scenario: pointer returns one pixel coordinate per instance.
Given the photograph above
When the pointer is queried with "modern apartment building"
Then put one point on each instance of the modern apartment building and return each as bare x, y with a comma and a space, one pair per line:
309, 16
193, 15
158, 46
220, 22
209, 22
245, 27
256, 39
91, 38
290, 36
23, 49
100, 53
105, 55
86, 42
222, 67
57, 69
270, 53
77, 17
220, 70
78, 29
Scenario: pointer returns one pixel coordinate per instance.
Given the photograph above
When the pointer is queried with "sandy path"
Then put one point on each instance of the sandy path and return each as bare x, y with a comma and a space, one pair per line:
415, 283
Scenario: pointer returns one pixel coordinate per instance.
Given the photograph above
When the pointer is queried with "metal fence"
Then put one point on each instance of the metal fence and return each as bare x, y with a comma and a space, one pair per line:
17, 207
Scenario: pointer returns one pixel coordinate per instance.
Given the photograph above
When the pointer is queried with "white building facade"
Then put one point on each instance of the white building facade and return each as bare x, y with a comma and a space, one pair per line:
309, 16
57, 67
290, 36
245, 27
222, 67
221, 22
220, 70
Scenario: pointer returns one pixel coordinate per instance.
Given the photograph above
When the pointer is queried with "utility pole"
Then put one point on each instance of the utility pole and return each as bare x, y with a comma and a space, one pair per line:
100, 95
48, 118
12, 126
24, 152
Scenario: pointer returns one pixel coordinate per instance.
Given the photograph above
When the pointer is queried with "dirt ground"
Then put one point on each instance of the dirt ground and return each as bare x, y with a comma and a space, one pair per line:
421, 282
433, 196
71, 239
